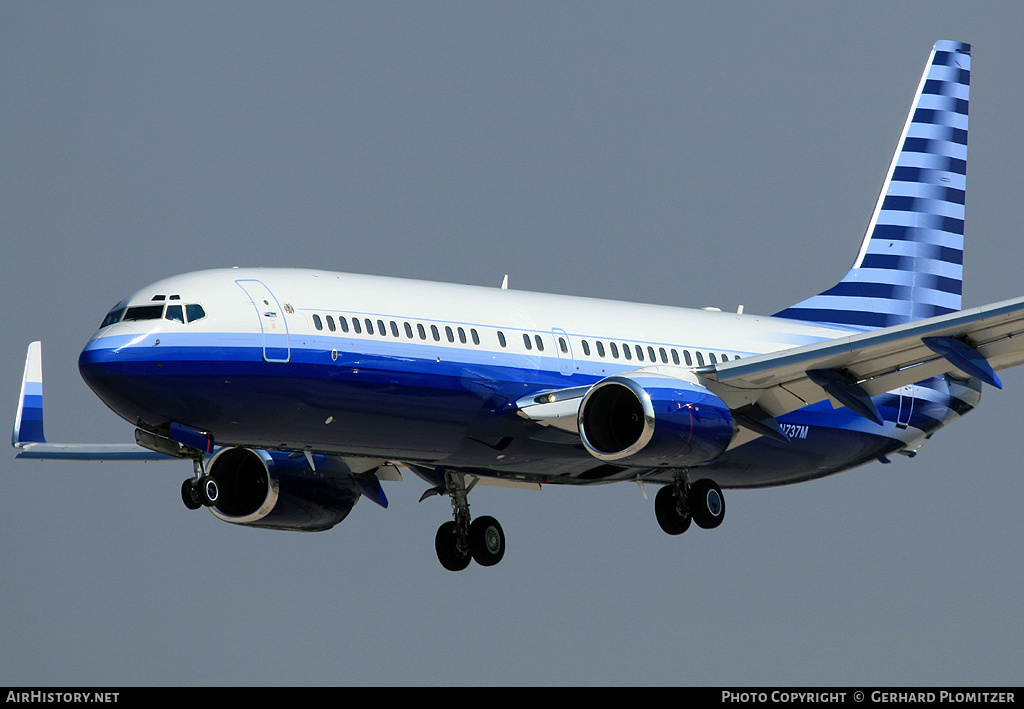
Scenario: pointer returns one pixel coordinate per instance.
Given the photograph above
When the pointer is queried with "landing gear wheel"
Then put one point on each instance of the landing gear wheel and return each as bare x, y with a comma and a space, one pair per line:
209, 491
190, 494
486, 541
449, 549
670, 509
707, 504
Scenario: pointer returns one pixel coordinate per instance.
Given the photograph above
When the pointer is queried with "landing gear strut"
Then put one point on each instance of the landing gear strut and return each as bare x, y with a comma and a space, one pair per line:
681, 502
201, 490
460, 540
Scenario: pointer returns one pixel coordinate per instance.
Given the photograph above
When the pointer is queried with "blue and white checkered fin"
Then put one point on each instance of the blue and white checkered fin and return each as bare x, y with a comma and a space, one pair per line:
910, 265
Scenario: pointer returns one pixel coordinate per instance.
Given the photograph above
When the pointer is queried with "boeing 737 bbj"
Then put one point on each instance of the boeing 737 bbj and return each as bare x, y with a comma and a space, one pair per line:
295, 392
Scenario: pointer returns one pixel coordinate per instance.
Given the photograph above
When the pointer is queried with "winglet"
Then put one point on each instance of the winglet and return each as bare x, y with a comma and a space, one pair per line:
28, 424
28, 436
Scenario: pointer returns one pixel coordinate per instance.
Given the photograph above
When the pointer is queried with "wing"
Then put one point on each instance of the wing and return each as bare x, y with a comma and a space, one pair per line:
28, 434
848, 370
970, 343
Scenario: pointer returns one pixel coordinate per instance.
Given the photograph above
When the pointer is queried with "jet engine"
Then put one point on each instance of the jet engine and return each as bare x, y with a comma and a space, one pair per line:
275, 490
650, 419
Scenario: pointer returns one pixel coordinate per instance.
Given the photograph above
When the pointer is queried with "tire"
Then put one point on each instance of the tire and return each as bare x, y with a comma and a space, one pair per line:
190, 494
707, 504
209, 491
486, 541
446, 545
666, 509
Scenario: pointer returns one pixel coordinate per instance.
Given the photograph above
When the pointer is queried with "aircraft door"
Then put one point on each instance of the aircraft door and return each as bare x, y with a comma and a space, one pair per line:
564, 350
276, 346
906, 405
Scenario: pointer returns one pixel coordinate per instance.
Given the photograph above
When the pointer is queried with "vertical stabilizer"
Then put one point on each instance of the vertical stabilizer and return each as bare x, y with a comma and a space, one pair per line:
910, 264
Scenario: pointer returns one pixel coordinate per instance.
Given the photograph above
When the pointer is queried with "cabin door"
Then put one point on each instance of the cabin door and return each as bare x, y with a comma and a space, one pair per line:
274, 329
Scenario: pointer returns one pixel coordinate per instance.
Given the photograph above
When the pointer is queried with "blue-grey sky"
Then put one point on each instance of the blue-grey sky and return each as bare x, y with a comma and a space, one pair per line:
680, 153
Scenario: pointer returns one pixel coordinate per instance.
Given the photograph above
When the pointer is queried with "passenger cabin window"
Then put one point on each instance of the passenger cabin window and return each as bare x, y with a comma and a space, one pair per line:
700, 360
317, 323
600, 349
526, 341
475, 335
501, 337
462, 337
330, 323
562, 346
586, 348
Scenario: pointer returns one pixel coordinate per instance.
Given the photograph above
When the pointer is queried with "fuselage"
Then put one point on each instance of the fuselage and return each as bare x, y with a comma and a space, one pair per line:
429, 373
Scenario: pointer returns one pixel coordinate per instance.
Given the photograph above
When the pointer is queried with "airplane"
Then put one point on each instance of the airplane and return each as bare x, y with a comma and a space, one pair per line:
295, 392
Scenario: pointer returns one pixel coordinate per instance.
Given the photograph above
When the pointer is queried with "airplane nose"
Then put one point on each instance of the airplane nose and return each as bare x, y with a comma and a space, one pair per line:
98, 368
114, 369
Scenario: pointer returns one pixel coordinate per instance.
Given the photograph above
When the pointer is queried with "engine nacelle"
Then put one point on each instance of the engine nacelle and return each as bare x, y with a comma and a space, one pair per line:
271, 489
651, 419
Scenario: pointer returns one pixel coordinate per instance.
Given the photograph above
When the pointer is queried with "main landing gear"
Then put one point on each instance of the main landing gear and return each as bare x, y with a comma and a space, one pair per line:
459, 541
679, 502
201, 490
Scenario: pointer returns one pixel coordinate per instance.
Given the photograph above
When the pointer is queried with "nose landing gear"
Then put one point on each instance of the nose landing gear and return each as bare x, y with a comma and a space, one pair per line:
201, 490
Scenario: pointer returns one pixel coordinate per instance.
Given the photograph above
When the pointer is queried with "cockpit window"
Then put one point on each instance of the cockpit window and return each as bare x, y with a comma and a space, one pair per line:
175, 313
144, 312
114, 316
195, 312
